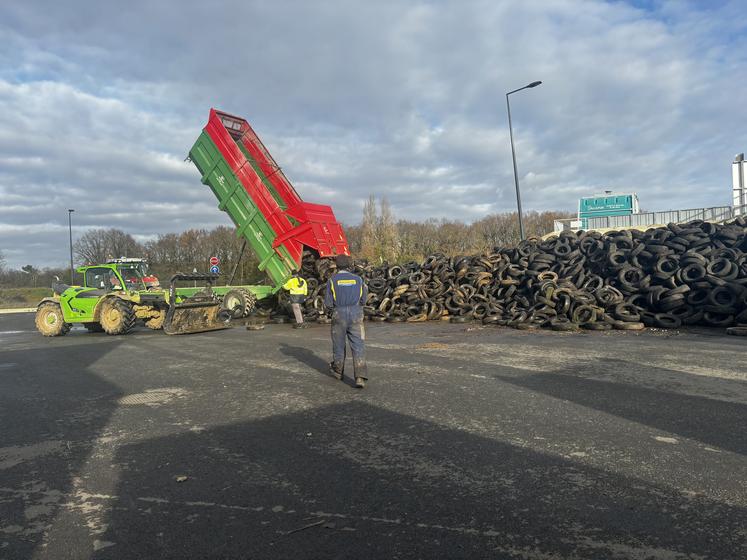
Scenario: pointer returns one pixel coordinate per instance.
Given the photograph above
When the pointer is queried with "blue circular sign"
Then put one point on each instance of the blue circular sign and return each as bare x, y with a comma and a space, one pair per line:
215, 269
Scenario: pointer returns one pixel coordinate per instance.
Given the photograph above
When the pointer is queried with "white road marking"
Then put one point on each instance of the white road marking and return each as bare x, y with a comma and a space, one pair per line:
666, 439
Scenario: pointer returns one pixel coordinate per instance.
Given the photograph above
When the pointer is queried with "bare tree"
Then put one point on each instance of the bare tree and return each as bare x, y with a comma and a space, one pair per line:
91, 247
354, 237
388, 236
3, 262
99, 245
121, 244
369, 237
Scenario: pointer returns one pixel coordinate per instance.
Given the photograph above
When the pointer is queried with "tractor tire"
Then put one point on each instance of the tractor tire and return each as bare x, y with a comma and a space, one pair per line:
156, 323
93, 327
117, 316
239, 303
49, 320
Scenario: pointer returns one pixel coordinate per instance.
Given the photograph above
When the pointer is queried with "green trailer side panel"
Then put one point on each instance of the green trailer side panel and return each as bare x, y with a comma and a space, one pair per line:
234, 200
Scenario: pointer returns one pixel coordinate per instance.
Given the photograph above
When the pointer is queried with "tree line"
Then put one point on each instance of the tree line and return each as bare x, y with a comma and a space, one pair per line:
378, 238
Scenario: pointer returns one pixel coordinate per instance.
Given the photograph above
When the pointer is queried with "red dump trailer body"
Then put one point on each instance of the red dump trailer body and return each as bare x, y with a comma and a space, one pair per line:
295, 223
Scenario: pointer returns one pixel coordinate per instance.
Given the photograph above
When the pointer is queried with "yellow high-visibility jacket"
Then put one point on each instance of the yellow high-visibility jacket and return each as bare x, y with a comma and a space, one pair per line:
296, 286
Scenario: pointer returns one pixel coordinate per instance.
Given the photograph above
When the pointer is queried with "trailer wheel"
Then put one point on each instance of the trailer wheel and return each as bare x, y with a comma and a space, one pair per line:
239, 302
117, 316
156, 323
49, 320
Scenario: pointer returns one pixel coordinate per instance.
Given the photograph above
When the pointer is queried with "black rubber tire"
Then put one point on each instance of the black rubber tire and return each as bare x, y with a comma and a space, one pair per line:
117, 316
667, 321
239, 302
718, 319
627, 312
737, 331
49, 320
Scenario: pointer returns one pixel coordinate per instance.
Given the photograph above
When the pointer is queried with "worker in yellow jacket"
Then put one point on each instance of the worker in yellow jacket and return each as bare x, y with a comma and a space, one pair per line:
298, 290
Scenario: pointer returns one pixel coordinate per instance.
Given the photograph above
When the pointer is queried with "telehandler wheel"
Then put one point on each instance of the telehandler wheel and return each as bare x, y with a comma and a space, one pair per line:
117, 316
49, 320
156, 323
93, 327
239, 302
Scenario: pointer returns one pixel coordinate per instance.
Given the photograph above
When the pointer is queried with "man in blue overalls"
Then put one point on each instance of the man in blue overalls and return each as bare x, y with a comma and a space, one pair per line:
346, 293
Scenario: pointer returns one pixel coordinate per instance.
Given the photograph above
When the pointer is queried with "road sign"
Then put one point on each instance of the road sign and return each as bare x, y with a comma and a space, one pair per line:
215, 261
215, 269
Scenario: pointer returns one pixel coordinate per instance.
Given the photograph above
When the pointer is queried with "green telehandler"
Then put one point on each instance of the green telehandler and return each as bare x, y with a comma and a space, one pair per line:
115, 295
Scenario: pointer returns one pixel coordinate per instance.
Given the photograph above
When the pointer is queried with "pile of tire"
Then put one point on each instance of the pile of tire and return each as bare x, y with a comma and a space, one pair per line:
682, 274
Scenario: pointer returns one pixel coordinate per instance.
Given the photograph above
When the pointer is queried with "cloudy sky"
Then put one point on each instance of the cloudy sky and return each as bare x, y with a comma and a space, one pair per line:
101, 101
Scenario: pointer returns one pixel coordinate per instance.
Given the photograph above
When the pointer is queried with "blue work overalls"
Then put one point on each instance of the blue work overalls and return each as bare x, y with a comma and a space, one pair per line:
346, 293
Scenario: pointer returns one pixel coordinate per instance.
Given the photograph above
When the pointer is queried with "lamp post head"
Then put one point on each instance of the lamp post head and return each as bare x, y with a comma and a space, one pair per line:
70, 210
532, 85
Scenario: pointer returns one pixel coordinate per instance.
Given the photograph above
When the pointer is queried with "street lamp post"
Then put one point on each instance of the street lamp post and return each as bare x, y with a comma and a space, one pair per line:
513, 155
70, 230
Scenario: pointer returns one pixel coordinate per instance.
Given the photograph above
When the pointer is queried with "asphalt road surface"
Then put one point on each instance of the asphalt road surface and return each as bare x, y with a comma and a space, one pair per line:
469, 442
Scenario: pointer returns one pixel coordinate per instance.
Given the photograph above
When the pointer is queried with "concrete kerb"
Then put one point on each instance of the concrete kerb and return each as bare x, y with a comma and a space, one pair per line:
18, 310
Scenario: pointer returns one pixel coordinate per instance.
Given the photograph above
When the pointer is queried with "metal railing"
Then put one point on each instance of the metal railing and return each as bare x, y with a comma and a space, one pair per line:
712, 214
717, 214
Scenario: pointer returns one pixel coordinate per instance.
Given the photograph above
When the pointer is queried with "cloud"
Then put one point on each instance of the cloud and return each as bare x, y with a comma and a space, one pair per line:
399, 99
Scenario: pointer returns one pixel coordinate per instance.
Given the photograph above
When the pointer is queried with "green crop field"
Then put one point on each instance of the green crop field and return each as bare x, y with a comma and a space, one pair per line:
22, 297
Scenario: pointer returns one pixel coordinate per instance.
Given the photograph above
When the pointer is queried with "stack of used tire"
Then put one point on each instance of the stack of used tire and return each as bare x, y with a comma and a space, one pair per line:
682, 274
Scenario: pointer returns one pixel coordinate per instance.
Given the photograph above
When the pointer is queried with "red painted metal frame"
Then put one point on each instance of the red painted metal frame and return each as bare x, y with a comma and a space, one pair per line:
316, 226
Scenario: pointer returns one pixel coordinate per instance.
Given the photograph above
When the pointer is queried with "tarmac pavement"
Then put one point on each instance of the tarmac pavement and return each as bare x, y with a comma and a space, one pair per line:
468, 442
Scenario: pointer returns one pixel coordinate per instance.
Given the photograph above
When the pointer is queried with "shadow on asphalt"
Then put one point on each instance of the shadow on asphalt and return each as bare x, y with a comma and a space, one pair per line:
306, 357
357, 481
713, 422
48, 398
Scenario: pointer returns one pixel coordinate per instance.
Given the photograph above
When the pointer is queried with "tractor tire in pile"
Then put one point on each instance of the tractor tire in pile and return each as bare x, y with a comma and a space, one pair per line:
156, 323
93, 327
117, 316
239, 303
49, 320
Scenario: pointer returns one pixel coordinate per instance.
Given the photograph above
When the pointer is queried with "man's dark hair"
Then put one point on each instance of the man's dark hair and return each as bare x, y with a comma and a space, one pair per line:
344, 261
